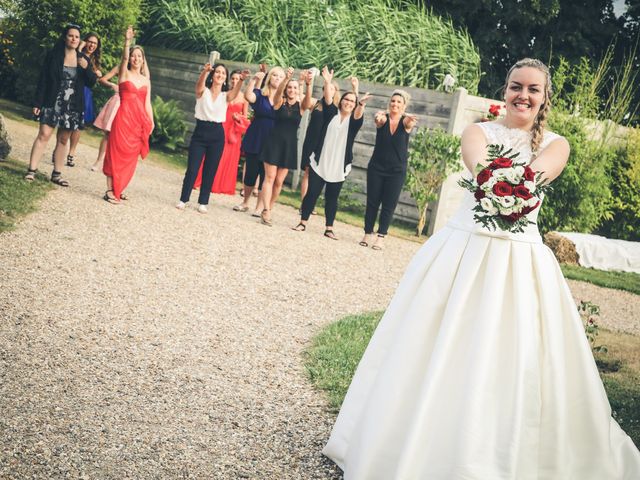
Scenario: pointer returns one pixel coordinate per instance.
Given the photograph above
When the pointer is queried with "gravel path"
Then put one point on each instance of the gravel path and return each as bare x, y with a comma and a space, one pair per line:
137, 341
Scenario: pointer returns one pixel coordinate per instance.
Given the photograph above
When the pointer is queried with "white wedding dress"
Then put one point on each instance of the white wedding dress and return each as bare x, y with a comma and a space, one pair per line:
480, 368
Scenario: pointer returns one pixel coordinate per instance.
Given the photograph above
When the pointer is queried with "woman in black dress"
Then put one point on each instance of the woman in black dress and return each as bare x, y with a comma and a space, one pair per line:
387, 168
59, 101
280, 151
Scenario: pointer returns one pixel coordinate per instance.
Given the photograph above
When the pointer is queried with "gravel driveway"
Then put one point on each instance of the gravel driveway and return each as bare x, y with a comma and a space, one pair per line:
138, 341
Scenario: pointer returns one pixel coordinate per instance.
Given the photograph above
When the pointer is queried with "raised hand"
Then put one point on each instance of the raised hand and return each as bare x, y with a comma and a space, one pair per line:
355, 83
365, 98
244, 74
410, 121
327, 75
308, 77
207, 67
380, 117
259, 76
264, 67
289, 73
129, 34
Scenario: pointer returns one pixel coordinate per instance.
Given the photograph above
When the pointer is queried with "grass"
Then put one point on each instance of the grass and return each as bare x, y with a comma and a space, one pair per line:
336, 351
628, 281
17, 197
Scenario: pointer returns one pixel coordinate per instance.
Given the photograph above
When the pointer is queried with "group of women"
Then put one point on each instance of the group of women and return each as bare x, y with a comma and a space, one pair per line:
223, 132
64, 102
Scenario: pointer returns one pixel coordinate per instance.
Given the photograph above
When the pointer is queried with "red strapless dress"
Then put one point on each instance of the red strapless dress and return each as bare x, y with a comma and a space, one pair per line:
225, 179
129, 136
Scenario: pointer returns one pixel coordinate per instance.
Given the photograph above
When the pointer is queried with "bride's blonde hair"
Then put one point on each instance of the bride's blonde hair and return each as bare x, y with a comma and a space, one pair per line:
537, 130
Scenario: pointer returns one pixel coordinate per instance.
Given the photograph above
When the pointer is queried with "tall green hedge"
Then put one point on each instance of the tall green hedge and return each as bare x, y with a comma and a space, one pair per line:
389, 41
31, 27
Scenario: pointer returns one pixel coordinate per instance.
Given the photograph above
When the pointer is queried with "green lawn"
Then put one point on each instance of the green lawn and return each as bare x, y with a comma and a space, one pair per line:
17, 197
619, 280
336, 351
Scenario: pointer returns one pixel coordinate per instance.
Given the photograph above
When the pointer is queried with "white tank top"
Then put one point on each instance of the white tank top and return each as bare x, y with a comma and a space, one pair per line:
210, 111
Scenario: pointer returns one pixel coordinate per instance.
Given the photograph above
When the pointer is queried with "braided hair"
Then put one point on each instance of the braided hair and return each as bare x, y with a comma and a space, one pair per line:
537, 130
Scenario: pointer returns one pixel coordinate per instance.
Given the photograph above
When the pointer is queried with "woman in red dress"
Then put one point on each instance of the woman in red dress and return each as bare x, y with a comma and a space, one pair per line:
235, 125
132, 125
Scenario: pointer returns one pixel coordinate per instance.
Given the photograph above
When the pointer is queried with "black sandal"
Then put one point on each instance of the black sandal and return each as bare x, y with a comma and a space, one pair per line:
298, 229
70, 162
330, 234
112, 200
56, 177
31, 174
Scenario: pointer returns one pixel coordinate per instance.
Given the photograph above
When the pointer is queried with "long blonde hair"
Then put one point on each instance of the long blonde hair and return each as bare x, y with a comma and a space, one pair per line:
144, 69
537, 131
266, 87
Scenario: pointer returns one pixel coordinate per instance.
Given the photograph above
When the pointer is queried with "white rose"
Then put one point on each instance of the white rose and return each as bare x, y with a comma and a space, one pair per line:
531, 186
488, 185
519, 169
506, 211
486, 204
512, 177
532, 201
508, 201
500, 173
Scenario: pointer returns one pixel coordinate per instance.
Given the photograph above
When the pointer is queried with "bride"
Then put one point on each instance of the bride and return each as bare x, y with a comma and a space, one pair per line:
480, 368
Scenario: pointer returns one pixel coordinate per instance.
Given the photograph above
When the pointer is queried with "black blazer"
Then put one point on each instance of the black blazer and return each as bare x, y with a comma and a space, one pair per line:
51, 75
329, 111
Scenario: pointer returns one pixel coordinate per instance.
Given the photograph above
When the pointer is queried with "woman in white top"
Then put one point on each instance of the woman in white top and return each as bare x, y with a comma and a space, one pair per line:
208, 137
331, 159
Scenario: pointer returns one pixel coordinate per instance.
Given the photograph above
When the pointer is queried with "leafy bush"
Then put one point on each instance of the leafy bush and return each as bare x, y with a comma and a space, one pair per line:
581, 197
31, 27
625, 187
389, 41
434, 155
170, 126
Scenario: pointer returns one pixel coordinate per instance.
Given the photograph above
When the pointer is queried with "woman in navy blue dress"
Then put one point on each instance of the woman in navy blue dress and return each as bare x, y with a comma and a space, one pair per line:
263, 121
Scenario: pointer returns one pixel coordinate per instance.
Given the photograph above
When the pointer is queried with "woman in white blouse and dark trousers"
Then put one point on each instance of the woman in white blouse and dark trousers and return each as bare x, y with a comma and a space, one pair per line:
208, 137
331, 159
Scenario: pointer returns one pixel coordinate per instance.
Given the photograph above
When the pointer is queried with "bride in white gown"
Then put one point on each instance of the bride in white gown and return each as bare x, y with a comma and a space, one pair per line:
480, 368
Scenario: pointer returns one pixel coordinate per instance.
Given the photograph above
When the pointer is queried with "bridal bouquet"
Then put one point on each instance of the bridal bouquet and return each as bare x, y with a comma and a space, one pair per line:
505, 191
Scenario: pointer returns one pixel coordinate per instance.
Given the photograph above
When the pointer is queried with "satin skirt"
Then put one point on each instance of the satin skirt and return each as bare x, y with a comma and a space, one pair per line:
480, 370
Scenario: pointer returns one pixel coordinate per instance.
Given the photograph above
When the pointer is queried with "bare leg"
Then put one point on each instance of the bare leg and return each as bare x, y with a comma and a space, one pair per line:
101, 152
61, 148
75, 139
39, 144
277, 186
270, 172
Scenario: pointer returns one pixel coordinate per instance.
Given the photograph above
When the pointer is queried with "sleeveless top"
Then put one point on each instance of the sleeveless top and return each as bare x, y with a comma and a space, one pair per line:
209, 110
391, 150
261, 124
519, 141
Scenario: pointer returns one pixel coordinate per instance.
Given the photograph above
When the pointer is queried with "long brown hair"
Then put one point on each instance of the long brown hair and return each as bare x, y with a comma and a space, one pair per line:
537, 130
96, 56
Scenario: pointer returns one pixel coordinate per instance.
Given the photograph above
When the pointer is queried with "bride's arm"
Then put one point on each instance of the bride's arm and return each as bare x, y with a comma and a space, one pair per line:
552, 159
473, 146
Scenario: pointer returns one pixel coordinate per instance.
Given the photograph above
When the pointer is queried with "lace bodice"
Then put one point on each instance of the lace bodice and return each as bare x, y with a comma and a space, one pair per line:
519, 141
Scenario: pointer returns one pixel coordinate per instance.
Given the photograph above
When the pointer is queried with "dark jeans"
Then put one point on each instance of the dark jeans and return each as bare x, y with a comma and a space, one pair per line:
382, 189
254, 169
207, 141
331, 194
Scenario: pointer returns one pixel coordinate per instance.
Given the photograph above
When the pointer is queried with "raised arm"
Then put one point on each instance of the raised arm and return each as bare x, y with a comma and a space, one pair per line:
202, 79
255, 80
124, 61
359, 111
278, 99
233, 94
355, 85
307, 101
327, 76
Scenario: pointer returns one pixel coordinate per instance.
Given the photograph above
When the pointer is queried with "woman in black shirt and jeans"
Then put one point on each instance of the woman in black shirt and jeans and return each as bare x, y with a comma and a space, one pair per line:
59, 101
387, 168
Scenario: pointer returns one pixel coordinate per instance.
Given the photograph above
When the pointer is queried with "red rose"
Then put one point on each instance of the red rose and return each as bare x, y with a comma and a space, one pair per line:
484, 175
502, 189
529, 174
494, 110
501, 162
522, 192
527, 210
479, 194
512, 218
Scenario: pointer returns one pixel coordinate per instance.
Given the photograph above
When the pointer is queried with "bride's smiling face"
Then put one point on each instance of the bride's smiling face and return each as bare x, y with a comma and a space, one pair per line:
525, 94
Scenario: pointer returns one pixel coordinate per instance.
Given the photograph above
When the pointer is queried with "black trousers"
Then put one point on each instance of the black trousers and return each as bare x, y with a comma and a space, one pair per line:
382, 189
207, 141
331, 194
254, 169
